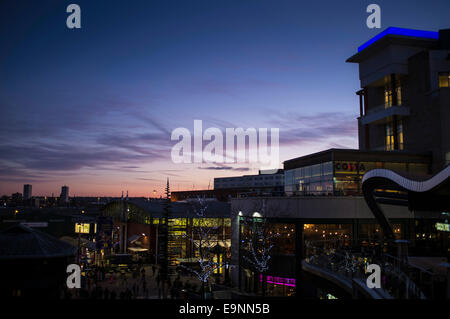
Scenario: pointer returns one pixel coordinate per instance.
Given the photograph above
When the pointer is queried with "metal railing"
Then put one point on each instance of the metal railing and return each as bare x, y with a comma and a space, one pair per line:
382, 107
350, 265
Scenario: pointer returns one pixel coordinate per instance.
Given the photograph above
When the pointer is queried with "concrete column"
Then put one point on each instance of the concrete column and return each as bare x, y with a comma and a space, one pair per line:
298, 259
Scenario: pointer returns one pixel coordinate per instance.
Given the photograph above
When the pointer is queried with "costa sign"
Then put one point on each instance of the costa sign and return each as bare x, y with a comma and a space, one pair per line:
349, 167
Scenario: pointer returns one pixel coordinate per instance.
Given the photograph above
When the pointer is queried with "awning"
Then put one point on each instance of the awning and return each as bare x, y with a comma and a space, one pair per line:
133, 238
137, 249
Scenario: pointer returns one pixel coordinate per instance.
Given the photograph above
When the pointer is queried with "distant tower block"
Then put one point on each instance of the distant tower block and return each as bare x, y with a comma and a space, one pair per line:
64, 197
27, 194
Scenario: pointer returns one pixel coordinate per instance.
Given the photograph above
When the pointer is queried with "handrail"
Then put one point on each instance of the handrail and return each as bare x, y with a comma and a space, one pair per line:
351, 265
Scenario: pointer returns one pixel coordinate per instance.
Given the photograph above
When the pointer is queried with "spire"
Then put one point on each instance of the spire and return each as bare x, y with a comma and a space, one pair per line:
168, 189
122, 195
127, 195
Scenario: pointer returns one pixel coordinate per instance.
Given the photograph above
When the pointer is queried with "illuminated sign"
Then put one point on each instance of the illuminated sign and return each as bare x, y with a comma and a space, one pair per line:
279, 281
82, 228
403, 32
443, 227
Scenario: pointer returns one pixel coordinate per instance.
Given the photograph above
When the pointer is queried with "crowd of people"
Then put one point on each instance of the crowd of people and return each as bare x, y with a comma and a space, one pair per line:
139, 282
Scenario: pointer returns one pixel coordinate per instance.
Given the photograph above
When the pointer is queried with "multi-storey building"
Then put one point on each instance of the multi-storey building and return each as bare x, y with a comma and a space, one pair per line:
262, 183
27, 194
405, 95
64, 197
403, 127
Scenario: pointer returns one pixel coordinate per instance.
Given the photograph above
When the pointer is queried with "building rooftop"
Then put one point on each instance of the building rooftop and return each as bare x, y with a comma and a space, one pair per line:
215, 209
260, 172
399, 36
22, 242
336, 154
401, 32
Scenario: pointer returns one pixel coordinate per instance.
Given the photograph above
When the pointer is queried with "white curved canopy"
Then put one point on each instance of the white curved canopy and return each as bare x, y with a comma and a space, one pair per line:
410, 185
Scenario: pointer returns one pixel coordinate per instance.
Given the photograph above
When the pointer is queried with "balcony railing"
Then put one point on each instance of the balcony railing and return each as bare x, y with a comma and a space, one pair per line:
383, 111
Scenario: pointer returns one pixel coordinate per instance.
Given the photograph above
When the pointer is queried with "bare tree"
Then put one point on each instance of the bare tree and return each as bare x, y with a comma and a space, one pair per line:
203, 239
260, 241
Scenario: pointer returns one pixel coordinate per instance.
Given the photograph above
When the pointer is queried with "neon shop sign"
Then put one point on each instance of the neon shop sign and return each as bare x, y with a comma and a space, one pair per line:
349, 167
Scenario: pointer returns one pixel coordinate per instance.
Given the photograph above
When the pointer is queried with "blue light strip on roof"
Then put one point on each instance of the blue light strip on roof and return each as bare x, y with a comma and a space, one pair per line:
400, 31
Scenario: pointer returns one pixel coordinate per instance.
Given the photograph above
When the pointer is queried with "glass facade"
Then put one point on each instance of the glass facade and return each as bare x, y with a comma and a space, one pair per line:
310, 180
338, 178
182, 230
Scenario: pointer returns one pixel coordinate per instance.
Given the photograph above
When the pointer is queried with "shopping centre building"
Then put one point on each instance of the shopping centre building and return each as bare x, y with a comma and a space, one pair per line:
339, 172
137, 230
324, 220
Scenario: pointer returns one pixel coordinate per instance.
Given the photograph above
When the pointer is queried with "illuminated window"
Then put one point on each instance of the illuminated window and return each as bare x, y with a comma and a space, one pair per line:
387, 98
82, 228
444, 79
389, 137
400, 135
399, 95
391, 89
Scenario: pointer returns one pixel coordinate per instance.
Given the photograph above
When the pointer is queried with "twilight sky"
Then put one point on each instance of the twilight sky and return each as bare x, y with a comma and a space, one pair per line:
94, 107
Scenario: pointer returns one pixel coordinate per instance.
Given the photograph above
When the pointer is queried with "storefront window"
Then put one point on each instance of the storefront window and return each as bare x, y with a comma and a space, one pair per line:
370, 234
279, 278
328, 234
347, 185
444, 79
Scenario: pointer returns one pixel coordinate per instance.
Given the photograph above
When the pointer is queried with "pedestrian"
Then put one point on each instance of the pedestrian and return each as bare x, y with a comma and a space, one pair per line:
144, 285
153, 270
